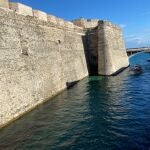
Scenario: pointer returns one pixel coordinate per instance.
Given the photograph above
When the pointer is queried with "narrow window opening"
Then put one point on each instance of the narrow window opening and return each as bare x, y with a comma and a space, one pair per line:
59, 41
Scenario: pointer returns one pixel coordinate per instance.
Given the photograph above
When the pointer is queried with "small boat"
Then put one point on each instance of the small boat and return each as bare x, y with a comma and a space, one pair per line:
137, 69
148, 60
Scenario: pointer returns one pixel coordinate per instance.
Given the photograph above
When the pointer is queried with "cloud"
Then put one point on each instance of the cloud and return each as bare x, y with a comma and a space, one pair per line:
134, 39
140, 37
137, 40
145, 13
122, 25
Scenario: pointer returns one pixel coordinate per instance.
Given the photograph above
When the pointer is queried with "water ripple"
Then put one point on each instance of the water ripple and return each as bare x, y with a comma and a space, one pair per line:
106, 113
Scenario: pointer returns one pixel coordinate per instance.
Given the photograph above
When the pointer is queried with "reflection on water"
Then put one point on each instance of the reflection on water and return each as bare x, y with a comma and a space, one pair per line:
107, 113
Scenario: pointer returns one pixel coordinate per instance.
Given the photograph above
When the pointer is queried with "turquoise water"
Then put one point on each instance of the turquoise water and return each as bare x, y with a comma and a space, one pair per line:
99, 113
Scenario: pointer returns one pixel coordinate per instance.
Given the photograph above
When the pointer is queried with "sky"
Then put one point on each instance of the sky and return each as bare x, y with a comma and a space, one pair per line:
132, 15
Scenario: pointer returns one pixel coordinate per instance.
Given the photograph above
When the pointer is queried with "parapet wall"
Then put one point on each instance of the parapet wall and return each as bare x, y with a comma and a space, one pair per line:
24, 10
38, 59
40, 15
4, 3
86, 23
21, 9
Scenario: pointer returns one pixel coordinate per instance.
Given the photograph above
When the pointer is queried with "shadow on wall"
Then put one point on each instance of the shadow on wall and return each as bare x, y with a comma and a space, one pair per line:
91, 51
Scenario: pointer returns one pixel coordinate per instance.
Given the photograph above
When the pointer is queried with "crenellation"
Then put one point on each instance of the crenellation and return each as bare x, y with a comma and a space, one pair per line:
52, 19
86, 23
102, 23
21, 9
27, 11
60, 22
4, 3
40, 15
69, 24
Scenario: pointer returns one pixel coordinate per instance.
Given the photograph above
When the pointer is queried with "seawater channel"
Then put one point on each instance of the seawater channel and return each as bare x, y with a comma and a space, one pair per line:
98, 113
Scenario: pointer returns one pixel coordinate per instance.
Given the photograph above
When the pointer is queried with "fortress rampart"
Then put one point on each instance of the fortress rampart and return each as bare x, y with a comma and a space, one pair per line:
86, 23
42, 55
4, 3
112, 54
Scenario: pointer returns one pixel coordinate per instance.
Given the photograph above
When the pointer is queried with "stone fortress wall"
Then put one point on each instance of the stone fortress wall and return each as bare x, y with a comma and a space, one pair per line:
38, 59
42, 54
90, 42
4, 3
104, 46
112, 56
24, 10
86, 23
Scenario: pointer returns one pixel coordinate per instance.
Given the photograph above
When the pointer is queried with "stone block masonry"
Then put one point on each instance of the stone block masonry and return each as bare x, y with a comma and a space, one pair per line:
86, 23
52, 19
104, 47
21, 9
112, 55
4, 3
40, 15
91, 51
37, 61
40, 55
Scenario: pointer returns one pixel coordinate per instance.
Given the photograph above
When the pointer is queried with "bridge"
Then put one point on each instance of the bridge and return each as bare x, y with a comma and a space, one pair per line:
132, 51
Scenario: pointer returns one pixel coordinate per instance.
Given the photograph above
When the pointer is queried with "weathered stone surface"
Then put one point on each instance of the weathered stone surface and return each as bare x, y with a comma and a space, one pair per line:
21, 9
40, 15
60, 22
69, 24
36, 62
4, 3
52, 19
86, 23
91, 50
41, 54
112, 54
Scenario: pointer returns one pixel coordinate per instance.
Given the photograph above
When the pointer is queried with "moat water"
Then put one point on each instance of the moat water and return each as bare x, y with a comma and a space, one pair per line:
99, 113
